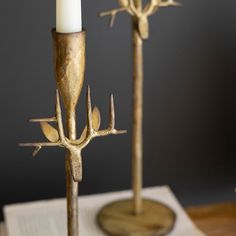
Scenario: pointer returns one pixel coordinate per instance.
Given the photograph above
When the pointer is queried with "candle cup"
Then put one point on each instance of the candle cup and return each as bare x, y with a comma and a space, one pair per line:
69, 65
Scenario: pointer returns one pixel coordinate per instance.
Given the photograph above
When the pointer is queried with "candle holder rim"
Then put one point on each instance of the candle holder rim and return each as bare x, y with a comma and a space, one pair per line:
53, 30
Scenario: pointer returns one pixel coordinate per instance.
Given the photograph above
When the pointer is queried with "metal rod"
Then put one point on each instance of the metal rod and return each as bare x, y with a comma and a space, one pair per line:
137, 140
72, 188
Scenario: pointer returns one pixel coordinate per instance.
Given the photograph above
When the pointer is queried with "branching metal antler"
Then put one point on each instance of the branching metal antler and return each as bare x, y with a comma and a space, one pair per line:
141, 15
57, 136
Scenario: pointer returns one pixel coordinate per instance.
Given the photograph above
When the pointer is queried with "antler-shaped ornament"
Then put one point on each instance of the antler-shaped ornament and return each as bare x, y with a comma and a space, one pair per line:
57, 136
141, 15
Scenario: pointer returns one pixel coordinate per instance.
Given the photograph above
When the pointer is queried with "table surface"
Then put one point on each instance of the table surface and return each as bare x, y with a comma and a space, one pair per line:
215, 220
2, 230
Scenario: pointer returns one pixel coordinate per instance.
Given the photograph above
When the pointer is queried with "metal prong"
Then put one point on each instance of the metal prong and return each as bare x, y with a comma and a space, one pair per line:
52, 119
112, 112
40, 144
36, 150
59, 118
89, 112
170, 3
120, 132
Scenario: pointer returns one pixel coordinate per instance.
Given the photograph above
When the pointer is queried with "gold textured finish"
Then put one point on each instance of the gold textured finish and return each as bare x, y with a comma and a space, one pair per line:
116, 219
140, 17
69, 63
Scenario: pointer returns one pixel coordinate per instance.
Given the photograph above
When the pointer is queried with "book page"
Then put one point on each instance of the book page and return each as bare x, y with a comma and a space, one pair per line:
44, 218
48, 218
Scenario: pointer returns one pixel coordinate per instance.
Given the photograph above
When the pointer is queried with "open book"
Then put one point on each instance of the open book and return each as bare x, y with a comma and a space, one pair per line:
48, 218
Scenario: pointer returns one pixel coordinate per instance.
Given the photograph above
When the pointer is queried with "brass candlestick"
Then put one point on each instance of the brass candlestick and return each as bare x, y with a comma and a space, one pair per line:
137, 216
69, 64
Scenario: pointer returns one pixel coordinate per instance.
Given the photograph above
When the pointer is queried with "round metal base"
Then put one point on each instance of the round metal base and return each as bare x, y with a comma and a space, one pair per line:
117, 219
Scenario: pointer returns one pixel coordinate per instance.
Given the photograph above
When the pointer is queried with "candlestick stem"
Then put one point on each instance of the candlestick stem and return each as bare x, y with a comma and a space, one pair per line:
137, 140
71, 186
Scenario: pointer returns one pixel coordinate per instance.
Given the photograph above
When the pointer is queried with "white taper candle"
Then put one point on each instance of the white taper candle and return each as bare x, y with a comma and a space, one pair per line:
68, 16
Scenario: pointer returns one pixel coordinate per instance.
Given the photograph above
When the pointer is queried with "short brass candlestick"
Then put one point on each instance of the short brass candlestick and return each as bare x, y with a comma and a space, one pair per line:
137, 216
69, 64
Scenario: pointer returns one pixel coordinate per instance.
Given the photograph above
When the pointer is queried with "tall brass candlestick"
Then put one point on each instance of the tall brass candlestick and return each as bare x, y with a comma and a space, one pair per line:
137, 216
69, 64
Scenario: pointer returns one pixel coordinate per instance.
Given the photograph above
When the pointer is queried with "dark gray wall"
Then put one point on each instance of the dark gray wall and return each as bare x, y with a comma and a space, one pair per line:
189, 124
